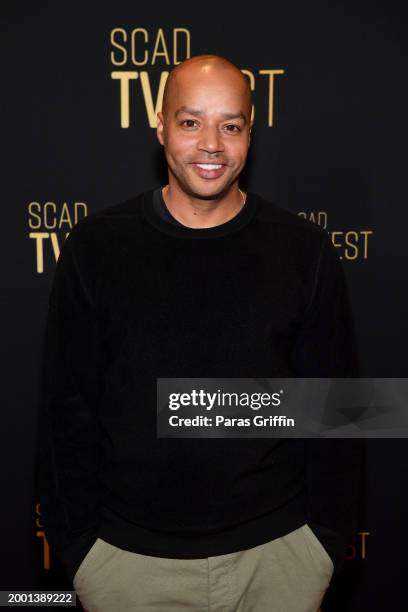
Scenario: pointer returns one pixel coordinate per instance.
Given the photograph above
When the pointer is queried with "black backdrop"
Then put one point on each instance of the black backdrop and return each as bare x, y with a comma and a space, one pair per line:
329, 142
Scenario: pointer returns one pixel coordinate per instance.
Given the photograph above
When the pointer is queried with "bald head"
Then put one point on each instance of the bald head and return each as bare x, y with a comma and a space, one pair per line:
207, 67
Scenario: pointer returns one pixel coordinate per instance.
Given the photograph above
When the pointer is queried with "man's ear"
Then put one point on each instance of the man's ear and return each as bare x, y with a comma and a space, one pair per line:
160, 127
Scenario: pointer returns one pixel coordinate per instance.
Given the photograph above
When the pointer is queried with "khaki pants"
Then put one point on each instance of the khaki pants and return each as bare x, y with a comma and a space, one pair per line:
288, 574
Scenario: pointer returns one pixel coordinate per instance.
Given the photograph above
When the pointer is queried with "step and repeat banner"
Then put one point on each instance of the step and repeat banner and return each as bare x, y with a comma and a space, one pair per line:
82, 84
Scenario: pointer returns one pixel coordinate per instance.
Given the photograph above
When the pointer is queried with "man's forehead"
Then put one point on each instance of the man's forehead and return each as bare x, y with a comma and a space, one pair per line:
199, 112
194, 84
186, 89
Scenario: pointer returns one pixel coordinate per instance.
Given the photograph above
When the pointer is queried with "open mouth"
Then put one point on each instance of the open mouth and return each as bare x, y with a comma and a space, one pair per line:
209, 171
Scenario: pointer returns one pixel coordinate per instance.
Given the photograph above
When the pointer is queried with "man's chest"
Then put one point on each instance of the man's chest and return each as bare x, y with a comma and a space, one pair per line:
231, 311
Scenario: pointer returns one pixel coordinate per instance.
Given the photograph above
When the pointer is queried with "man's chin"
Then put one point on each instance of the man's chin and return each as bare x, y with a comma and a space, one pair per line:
207, 192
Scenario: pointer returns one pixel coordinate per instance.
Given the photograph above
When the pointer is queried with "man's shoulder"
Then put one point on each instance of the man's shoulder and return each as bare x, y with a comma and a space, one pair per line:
302, 240
117, 213
98, 234
106, 225
93, 242
269, 212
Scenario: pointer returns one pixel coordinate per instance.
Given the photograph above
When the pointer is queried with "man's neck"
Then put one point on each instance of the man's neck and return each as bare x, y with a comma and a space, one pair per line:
202, 213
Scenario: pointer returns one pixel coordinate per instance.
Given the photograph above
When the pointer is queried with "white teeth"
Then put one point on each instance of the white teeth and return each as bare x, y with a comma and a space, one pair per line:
209, 166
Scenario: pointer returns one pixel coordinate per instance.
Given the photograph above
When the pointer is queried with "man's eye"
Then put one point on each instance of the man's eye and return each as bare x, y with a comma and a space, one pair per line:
231, 127
188, 121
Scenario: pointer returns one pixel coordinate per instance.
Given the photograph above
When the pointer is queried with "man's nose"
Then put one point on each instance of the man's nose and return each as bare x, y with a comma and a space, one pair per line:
210, 140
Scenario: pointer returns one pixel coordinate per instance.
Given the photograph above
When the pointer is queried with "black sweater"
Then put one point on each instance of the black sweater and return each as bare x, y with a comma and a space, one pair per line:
135, 298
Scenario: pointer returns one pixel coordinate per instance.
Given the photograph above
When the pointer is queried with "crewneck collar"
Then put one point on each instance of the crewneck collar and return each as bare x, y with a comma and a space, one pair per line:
242, 218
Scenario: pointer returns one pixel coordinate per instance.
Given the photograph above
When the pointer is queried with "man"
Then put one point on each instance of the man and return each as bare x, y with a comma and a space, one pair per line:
197, 279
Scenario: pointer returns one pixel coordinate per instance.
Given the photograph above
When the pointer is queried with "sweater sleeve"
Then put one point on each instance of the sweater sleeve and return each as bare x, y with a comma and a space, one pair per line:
326, 347
71, 384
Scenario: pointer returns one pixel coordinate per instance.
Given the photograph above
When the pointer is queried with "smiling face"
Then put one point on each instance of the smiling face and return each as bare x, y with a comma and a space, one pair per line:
205, 126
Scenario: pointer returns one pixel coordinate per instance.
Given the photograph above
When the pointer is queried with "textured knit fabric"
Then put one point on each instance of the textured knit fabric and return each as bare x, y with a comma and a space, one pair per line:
135, 298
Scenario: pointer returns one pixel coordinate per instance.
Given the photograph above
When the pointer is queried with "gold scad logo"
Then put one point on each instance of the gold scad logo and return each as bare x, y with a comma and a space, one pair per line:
47, 222
351, 244
137, 47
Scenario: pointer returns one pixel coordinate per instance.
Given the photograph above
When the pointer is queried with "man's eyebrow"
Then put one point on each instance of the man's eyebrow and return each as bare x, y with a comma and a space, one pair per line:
197, 113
